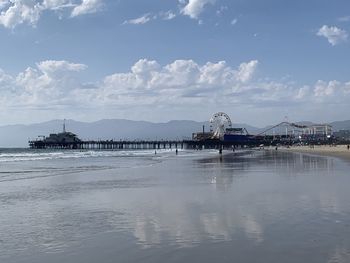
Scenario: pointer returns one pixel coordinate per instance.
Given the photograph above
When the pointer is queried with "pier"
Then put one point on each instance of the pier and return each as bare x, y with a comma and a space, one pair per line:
141, 145
222, 135
168, 144
108, 145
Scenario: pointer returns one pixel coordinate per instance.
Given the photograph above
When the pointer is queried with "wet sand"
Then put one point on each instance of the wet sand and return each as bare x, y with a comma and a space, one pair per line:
249, 206
339, 151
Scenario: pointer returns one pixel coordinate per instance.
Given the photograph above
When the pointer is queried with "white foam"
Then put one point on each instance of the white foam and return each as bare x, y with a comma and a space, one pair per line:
27, 155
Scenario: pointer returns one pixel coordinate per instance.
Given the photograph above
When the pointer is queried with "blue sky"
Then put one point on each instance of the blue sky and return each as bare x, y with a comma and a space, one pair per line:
174, 59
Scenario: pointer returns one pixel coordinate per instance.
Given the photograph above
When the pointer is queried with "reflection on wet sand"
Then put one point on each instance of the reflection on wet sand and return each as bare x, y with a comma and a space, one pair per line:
190, 225
235, 210
221, 220
340, 255
252, 205
292, 162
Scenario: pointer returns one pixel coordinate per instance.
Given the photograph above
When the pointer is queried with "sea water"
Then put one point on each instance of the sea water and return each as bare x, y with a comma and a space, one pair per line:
197, 206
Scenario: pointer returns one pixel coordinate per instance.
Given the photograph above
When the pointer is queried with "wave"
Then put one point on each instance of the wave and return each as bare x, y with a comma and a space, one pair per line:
30, 155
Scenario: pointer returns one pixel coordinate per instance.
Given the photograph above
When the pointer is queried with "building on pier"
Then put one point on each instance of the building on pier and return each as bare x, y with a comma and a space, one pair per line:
63, 139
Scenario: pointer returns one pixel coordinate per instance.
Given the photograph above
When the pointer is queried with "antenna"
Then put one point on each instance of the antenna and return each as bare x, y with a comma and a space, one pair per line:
64, 125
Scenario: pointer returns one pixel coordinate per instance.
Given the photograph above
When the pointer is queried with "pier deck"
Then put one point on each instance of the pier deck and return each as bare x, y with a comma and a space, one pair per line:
108, 145
140, 145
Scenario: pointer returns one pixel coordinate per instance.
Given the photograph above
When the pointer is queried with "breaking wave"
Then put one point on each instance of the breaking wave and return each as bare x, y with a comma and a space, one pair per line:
10, 155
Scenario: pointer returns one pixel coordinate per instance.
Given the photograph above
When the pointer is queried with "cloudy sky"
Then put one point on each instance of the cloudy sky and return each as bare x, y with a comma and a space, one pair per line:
159, 60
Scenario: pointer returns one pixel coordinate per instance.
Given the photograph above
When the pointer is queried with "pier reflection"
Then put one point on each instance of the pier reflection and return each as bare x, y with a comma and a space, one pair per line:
244, 204
188, 224
244, 201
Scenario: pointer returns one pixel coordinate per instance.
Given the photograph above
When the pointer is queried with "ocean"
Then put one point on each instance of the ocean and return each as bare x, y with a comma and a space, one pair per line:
197, 206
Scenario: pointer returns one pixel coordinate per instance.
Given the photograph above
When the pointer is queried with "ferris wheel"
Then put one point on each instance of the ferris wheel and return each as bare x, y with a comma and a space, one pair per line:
219, 122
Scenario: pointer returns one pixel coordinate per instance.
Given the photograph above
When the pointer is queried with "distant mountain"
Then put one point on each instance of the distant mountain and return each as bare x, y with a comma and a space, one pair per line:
18, 135
341, 125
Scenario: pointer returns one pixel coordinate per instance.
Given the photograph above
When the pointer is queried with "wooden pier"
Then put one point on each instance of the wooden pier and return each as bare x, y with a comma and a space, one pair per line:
140, 145
108, 145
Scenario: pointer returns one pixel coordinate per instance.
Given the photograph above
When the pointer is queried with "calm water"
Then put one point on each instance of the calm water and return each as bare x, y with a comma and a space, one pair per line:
194, 207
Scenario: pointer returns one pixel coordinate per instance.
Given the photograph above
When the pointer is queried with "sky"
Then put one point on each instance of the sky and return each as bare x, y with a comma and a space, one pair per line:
159, 60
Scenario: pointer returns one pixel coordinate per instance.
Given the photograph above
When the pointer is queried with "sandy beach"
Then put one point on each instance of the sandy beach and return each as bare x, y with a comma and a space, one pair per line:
197, 206
340, 151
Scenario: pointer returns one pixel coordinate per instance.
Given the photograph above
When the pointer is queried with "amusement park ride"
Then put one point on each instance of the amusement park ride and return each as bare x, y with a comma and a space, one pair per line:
283, 133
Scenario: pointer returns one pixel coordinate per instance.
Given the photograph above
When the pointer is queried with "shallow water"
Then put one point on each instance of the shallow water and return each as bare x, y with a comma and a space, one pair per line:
195, 207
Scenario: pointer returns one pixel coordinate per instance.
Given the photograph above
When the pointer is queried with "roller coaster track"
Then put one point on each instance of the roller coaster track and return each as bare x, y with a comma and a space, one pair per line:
284, 123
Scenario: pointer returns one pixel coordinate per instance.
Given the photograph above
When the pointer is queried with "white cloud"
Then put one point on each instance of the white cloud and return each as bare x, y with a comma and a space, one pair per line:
169, 15
324, 89
221, 10
144, 66
163, 15
87, 7
234, 21
344, 19
182, 86
180, 79
3, 4
333, 34
6, 82
246, 71
193, 8
52, 83
54, 68
19, 12
16, 12
140, 20
56, 4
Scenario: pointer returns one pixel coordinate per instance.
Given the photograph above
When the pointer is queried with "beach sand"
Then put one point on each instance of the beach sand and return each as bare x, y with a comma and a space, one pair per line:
340, 151
197, 206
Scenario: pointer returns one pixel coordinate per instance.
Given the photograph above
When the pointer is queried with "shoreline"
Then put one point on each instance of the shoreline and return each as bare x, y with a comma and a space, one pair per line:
339, 151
